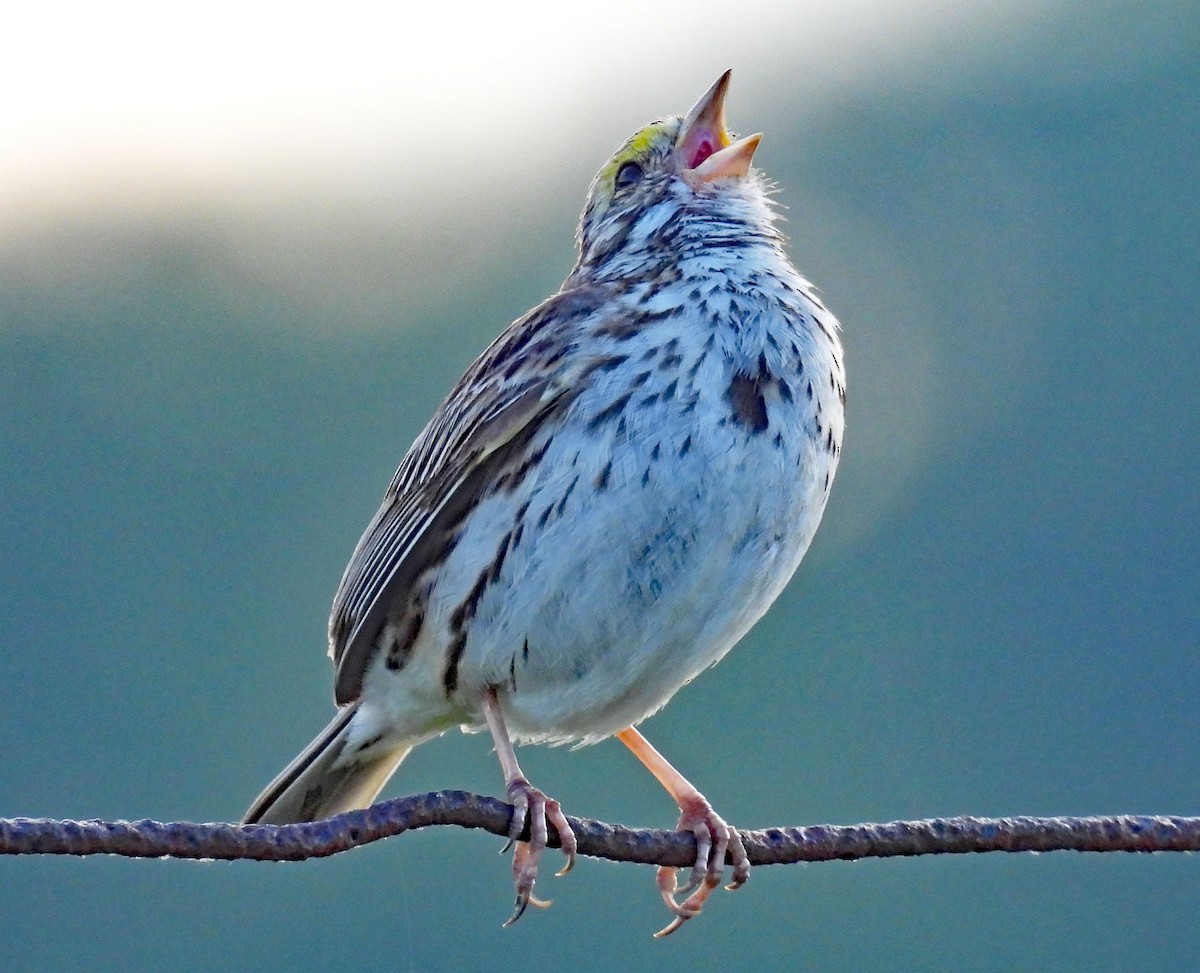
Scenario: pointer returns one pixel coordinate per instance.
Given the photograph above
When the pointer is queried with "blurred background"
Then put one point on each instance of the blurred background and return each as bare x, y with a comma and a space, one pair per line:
244, 251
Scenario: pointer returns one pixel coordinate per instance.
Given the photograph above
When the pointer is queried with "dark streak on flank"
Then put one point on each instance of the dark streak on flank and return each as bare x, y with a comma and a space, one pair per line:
562, 504
511, 478
610, 411
603, 476
467, 608
453, 658
498, 561
403, 636
607, 364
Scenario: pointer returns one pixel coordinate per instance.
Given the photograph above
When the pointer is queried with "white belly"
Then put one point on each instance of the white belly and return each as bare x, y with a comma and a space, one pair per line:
650, 572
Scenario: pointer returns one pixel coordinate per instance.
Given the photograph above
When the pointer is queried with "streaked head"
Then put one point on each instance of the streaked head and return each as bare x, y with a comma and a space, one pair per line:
680, 157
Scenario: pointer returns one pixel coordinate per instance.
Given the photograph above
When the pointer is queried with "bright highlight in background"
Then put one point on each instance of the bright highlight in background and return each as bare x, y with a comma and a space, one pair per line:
134, 93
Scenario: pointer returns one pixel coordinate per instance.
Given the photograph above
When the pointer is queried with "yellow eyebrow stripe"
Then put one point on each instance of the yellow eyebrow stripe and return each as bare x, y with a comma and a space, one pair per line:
638, 147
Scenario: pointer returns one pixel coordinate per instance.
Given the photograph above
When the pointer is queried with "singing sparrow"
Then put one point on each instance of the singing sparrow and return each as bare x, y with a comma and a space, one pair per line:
609, 498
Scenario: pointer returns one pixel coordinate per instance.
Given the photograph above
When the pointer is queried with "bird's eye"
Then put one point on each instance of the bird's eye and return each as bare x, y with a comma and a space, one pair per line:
629, 174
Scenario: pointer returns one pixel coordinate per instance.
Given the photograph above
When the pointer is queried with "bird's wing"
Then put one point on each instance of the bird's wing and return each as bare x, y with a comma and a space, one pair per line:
523, 379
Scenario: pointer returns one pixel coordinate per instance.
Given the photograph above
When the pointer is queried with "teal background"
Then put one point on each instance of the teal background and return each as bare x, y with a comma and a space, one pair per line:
202, 399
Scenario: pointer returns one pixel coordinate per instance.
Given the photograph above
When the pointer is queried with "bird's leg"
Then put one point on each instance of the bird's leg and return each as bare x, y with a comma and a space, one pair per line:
713, 837
530, 804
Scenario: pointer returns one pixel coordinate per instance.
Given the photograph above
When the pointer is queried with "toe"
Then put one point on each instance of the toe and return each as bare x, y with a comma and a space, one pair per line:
714, 841
525, 865
685, 910
518, 796
741, 861
541, 813
566, 837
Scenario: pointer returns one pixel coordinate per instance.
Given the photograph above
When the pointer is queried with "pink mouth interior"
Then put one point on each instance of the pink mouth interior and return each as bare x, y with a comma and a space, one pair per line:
703, 151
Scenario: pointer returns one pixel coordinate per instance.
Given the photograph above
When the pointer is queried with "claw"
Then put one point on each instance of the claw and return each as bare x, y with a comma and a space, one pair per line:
741, 864
519, 906
714, 839
530, 804
518, 911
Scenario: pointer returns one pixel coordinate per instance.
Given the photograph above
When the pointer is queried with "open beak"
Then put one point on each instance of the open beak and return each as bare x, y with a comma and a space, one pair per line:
703, 150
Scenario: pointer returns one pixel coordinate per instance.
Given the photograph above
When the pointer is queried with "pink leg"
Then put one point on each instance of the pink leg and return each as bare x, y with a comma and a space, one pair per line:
529, 804
713, 837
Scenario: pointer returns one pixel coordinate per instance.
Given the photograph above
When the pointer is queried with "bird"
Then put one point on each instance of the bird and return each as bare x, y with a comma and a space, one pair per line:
610, 497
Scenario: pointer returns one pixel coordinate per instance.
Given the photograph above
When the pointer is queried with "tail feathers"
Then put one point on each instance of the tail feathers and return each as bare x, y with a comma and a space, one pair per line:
321, 783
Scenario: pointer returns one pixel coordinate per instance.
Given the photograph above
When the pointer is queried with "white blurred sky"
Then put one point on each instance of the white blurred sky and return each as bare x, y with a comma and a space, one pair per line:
248, 96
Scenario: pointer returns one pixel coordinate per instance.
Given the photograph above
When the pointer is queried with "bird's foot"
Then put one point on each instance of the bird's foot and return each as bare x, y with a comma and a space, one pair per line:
714, 839
532, 806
